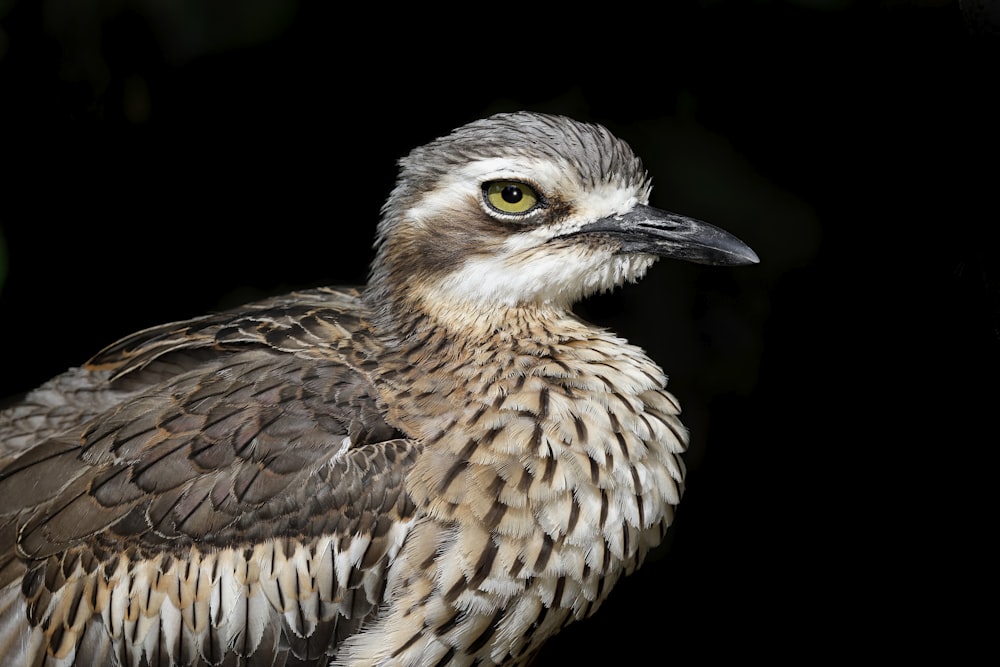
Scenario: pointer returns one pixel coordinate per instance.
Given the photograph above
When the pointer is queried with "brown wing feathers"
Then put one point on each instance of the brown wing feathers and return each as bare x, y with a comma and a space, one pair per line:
154, 516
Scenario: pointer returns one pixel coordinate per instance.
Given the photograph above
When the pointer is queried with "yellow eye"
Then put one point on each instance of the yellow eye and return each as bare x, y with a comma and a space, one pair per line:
511, 196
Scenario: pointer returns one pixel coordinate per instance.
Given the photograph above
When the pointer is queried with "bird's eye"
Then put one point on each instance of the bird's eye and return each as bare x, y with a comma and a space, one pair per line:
511, 196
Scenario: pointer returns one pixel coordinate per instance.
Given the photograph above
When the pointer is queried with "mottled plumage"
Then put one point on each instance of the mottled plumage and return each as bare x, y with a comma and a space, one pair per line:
442, 468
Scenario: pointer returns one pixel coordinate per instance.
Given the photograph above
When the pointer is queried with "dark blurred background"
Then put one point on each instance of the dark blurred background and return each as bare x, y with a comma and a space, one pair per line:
166, 159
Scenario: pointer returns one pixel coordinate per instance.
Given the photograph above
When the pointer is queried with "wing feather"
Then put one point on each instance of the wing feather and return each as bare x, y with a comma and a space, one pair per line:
225, 485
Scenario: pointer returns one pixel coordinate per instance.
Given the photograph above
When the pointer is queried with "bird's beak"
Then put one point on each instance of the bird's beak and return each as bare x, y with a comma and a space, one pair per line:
649, 230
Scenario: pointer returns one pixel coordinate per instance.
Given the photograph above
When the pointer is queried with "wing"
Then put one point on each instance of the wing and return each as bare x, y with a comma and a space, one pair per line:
224, 489
307, 322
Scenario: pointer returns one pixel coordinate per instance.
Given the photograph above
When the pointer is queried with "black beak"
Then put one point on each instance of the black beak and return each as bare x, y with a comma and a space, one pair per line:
650, 230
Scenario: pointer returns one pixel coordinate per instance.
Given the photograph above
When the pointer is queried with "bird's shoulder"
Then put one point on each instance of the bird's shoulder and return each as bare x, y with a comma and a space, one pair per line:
307, 322
324, 322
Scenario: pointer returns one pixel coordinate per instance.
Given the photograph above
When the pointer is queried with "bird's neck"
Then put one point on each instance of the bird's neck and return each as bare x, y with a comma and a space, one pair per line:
433, 357
416, 323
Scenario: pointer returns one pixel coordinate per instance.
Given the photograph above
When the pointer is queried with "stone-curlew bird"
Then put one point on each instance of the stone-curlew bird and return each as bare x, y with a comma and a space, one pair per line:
444, 467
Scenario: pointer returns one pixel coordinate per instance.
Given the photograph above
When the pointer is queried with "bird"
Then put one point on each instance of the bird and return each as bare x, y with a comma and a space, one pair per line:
443, 466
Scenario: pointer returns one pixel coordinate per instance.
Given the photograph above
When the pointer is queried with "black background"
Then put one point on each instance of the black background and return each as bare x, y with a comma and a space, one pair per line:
166, 161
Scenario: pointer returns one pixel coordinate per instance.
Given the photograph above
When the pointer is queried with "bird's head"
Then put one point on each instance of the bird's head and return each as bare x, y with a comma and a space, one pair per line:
527, 209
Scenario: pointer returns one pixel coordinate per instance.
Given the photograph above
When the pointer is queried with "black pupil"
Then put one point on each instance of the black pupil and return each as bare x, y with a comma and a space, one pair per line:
511, 194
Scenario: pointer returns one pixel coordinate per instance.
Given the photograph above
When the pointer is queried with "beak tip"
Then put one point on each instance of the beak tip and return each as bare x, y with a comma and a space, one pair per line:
731, 251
